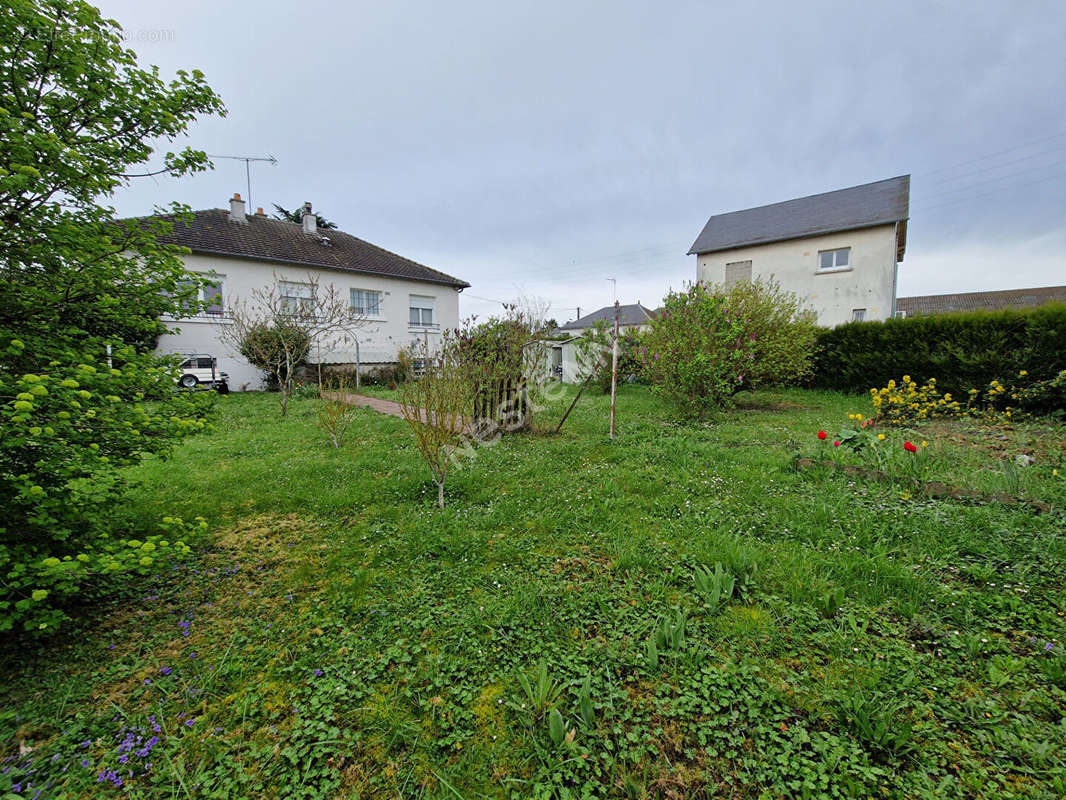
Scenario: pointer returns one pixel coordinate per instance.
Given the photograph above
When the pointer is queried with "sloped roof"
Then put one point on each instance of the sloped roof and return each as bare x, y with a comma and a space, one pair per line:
981, 301
878, 203
634, 314
265, 239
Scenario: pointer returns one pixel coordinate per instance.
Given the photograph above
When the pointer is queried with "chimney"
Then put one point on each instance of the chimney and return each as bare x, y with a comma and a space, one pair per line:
259, 212
236, 209
310, 221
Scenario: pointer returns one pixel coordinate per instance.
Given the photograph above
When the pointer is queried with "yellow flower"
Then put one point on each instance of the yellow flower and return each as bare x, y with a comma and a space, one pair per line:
1023, 373
925, 444
1055, 472
858, 417
880, 437
851, 416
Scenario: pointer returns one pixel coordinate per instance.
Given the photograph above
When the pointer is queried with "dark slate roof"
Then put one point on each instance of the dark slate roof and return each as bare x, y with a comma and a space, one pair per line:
265, 239
981, 301
879, 203
634, 314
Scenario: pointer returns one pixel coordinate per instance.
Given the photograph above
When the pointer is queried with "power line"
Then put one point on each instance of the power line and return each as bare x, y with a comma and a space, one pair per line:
987, 156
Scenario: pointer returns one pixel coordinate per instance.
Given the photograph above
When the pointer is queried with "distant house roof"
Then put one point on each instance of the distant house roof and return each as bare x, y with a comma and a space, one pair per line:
261, 238
980, 301
880, 203
634, 314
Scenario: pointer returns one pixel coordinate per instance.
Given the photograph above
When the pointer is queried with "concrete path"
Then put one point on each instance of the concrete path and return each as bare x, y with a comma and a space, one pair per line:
378, 404
382, 406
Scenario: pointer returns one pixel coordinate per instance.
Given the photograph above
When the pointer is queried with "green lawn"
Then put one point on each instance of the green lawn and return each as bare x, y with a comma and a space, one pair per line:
340, 637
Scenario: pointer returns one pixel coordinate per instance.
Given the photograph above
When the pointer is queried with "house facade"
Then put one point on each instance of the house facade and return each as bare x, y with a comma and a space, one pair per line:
399, 299
840, 251
568, 357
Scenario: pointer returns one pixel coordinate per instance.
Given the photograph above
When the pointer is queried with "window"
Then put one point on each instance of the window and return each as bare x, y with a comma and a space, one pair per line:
296, 297
737, 272
210, 293
213, 298
834, 259
858, 314
366, 302
901, 315
421, 310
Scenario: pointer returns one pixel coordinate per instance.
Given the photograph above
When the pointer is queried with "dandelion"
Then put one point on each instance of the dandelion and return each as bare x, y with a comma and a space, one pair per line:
880, 437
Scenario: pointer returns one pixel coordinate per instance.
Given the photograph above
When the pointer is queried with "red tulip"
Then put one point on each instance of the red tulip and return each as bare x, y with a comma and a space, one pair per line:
822, 435
836, 443
910, 447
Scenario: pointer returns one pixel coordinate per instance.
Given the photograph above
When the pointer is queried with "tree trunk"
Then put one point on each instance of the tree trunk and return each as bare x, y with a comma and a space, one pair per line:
440, 494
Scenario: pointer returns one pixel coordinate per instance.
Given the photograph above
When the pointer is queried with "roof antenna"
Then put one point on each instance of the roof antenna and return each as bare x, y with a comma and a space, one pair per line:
615, 282
248, 169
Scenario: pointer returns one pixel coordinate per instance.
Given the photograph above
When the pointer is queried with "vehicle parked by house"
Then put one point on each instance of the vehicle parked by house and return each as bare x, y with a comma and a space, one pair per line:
201, 369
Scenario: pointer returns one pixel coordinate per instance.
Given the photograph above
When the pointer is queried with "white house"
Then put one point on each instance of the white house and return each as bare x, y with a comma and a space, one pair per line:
567, 353
839, 250
401, 299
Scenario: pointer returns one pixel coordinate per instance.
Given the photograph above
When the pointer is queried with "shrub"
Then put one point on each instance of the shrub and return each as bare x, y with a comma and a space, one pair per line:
907, 403
67, 430
79, 119
697, 350
961, 351
784, 329
277, 349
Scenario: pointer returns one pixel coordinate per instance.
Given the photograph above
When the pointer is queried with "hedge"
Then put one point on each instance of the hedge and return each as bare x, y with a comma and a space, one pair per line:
961, 351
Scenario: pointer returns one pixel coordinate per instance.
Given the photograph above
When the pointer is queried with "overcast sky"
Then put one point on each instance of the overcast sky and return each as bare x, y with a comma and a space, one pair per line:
540, 148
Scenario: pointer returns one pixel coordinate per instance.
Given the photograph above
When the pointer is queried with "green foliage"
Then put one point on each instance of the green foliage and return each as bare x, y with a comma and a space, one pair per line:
76, 284
961, 351
784, 328
297, 216
278, 348
697, 350
715, 588
344, 642
875, 721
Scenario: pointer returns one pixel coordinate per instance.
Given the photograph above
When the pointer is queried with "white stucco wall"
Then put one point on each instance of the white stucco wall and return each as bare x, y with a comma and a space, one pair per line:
379, 339
869, 282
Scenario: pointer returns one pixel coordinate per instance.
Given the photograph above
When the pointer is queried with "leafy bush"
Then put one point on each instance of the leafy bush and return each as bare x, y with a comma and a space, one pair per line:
697, 350
78, 284
784, 329
277, 349
961, 351
67, 430
907, 403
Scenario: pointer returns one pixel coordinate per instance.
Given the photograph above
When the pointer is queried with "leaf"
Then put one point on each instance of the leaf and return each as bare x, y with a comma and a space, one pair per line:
556, 726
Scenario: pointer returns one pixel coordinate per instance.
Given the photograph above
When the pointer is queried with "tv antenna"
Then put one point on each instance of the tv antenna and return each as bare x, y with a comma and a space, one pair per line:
248, 168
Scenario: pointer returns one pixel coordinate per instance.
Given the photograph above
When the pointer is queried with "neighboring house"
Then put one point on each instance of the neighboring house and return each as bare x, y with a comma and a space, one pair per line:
839, 251
567, 354
401, 299
979, 301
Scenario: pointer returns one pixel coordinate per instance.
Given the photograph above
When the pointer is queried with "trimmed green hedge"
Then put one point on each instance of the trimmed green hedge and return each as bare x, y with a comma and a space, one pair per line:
962, 351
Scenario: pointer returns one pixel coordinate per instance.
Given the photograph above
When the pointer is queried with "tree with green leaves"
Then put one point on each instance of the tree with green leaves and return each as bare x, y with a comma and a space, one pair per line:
83, 297
297, 216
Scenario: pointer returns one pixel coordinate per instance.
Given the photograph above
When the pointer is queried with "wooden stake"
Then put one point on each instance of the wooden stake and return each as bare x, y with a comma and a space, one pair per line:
614, 366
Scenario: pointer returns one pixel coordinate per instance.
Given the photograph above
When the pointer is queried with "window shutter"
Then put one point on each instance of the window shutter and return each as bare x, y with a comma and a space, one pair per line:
737, 272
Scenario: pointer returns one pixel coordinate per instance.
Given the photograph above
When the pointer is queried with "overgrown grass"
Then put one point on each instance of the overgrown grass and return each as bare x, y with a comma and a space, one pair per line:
341, 637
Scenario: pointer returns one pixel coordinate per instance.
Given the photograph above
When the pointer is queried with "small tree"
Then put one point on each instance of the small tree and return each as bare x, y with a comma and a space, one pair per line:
333, 408
276, 331
784, 331
697, 350
435, 401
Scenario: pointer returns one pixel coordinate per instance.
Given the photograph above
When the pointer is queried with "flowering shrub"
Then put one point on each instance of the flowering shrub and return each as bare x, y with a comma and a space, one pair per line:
697, 350
907, 402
